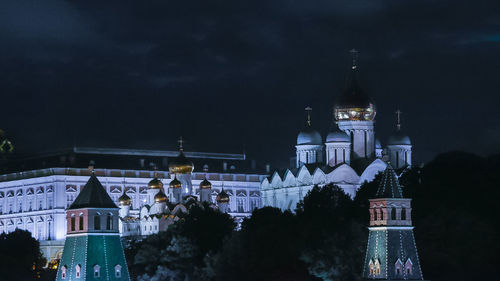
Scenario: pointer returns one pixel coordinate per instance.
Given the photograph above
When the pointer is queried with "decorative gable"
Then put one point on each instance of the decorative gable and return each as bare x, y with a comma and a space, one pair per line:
71, 188
115, 189
39, 190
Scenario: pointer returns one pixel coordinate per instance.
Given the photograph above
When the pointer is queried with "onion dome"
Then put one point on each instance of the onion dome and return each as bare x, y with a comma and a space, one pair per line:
181, 165
354, 104
337, 135
175, 183
398, 138
124, 200
155, 183
205, 184
222, 197
160, 197
308, 135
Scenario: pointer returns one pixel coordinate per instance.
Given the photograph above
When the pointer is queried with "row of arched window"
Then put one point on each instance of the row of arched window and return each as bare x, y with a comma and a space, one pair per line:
378, 213
97, 221
97, 271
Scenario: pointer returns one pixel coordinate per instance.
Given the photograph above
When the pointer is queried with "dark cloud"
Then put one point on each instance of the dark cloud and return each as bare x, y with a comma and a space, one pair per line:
234, 75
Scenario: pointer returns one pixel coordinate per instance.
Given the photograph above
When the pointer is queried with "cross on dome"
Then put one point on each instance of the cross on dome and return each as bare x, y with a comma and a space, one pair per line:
181, 143
398, 124
354, 55
308, 112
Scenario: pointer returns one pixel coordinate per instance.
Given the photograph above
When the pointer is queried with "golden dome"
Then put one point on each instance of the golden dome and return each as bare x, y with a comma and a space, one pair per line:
124, 200
222, 197
155, 183
205, 184
181, 165
160, 197
175, 183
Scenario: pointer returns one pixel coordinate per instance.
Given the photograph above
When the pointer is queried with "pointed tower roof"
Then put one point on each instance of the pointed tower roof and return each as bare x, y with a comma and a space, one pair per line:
389, 186
93, 195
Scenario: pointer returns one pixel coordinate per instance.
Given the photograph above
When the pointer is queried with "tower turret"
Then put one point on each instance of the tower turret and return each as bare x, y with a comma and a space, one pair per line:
176, 190
399, 146
338, 147
181, 167
153, 186
223, 201
391, 253
355, 113
309, 143
92, 249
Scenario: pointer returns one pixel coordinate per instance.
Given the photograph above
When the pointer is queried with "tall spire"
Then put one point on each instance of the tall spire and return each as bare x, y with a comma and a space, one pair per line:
308, 113
398, 124
354, 56
389, 186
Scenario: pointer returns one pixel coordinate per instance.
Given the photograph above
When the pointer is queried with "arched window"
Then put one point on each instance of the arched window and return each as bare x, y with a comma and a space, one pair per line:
97, 271
307, 157
372, 267
78, 269
63, 272
109, 222
118, 271
375, 217
97, 221
381, 213
403, 214
409, 267
393, 213
80, 222
73, 222
398, 267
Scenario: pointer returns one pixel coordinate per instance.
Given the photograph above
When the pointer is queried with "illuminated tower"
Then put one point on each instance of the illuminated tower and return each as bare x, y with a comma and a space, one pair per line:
154, 186
399, 146
338, 147
223, 201
355, 115
309, 144
92, 250
391, 253
181, 168
206, 191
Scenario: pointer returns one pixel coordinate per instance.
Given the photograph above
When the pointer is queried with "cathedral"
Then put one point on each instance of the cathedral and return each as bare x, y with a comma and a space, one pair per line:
348, 156
162, 208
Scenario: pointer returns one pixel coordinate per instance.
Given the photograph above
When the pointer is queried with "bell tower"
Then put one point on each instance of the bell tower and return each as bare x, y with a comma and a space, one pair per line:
391, 253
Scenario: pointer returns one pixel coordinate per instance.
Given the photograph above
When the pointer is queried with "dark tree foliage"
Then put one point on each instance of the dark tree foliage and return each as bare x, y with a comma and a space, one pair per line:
455, 213
333, 234
183, 250
20, 256
266, 248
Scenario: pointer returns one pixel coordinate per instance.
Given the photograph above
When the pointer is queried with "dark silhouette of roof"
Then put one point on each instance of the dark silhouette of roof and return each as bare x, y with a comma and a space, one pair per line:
93, 195
389, 185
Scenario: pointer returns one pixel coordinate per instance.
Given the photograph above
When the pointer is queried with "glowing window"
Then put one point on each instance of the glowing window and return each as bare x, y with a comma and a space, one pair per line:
78, 269
63, 272
118, 271
97, 271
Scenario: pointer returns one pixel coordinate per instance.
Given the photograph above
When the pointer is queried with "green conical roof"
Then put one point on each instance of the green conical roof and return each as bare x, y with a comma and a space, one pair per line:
389, 186
93, 195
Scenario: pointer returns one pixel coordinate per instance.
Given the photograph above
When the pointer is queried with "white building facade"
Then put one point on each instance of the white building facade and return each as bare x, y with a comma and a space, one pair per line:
36, 200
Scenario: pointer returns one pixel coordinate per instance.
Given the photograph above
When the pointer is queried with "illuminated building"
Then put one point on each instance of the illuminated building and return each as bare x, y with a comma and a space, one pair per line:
391, 252
35, 190
349, 156
92, 249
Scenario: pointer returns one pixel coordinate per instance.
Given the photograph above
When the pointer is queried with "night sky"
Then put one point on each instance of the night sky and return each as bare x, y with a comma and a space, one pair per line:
234, 76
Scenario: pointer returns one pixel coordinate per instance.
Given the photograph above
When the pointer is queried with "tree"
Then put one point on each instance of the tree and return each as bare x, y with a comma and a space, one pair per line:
181, 252
334, 236
20, 257
266, 248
